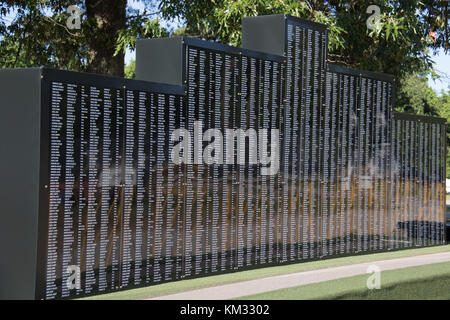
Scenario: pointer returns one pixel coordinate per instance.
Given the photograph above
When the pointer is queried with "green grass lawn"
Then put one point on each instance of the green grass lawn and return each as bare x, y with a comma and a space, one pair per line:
184, 285
423, 282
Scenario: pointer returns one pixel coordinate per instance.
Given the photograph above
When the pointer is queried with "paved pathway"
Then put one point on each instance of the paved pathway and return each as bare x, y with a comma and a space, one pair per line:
245, 288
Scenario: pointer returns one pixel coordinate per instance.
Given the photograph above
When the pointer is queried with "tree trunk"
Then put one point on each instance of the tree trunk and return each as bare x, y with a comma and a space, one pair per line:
105, 18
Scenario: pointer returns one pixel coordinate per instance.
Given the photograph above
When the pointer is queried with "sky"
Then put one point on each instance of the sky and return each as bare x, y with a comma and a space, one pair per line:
442, 66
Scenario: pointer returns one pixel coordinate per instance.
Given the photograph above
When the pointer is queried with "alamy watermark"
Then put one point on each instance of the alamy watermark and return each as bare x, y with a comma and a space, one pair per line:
374, 280
74, 20
373, 21
236, 147
74, 278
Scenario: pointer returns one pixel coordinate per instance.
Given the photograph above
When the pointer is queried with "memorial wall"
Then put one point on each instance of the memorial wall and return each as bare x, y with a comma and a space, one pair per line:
245, 157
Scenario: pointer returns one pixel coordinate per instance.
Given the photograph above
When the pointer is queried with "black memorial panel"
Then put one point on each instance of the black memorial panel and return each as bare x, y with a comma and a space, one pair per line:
211, 199
418, 180
233, 209
301, 151
115, 200
356, 139
84, 228
153, 196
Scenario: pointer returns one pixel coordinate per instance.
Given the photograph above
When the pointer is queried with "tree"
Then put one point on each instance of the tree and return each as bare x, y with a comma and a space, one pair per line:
414, 95
38, 34
398, 46
130, 69
106, 18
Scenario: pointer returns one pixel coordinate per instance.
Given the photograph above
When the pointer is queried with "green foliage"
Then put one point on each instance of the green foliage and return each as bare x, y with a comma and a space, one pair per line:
398, 46
444, 105
444, 112
35, 38
414, 95
139, 27
38, 35
220, 20
130, 69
